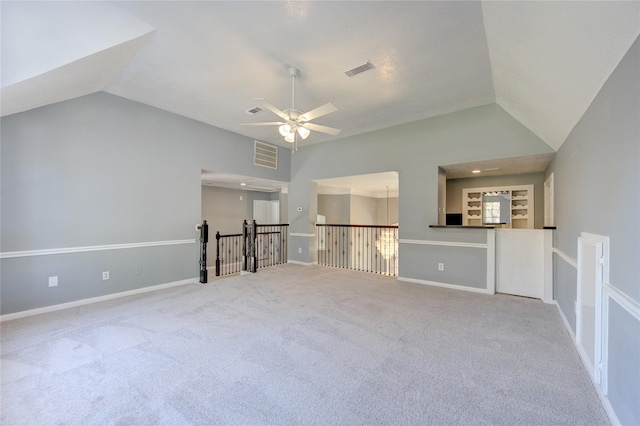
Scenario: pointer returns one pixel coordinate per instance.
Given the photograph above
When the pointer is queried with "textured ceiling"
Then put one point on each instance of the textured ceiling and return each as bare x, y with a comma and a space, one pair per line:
54, 51
542, 62
549, 59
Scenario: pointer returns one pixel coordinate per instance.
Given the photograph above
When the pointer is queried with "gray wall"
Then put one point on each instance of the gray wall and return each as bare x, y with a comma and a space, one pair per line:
358, 209
415, 150
224, 209
384, 215
335, 207
284, 209
455, 187
597, 187
102, 170
363, 210
256, 195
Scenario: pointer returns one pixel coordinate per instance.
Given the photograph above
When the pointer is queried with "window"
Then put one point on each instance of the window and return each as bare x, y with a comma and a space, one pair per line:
496, 207
491, 212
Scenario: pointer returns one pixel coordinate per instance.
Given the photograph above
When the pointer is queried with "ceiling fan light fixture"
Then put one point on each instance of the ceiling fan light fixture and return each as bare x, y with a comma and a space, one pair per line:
285, 130
304, 133
294, 121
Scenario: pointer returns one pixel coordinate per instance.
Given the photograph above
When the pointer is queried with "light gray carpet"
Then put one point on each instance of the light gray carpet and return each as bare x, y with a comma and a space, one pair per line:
297, 345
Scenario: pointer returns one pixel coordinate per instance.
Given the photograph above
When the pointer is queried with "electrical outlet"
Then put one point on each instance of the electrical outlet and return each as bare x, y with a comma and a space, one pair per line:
440, 266
53, 281
300, 250
105, 275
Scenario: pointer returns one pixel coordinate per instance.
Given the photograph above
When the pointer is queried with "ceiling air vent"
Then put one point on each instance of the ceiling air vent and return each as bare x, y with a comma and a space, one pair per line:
359, 69
254, 110
265, 155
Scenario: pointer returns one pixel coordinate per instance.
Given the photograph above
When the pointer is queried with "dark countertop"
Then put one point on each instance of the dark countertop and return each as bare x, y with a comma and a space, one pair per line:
462, 227
476, 227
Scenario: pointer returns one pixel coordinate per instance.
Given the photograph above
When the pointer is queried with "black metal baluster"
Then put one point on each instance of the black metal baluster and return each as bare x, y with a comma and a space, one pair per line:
345, 242
378, 254
271, 247
369, 254
339, 237
358, 251
338, 244
334, 246
223, 260
395, 252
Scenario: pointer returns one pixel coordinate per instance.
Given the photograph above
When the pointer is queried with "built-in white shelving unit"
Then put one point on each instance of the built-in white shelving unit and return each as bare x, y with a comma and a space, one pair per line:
472, 215
521, 205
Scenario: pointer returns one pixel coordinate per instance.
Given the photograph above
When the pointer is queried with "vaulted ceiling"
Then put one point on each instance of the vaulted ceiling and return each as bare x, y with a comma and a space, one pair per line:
542, 62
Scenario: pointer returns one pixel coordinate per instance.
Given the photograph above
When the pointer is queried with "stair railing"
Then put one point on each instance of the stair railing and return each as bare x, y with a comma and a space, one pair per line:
368, 248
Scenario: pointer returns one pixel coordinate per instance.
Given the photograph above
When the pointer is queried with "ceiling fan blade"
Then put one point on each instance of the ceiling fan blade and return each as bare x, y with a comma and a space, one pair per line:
266, 123
321, 129
318, 112
277, 111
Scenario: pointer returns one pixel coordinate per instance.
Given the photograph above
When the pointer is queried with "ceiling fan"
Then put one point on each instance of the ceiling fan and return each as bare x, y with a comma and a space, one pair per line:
296, 121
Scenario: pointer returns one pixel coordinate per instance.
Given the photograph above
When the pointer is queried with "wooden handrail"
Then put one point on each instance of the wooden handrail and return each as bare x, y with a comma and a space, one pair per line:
359, 226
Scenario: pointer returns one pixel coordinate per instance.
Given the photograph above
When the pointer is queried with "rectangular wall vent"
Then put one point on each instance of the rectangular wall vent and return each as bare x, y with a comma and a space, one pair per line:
265, 155
254, 110
359, 69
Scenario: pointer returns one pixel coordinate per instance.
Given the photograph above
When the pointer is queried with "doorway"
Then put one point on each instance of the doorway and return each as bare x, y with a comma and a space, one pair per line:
266, 212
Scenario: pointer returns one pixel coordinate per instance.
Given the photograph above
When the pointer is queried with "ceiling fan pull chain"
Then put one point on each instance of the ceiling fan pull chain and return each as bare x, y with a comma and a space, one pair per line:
293, 91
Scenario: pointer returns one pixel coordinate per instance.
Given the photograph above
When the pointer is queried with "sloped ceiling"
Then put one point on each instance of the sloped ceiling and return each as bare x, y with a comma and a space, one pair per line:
550, 59
542, 62
54, 51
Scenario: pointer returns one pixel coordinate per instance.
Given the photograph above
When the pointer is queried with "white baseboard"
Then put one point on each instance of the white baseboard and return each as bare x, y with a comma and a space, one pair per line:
565, 322
297, 262
91, 300
444, 285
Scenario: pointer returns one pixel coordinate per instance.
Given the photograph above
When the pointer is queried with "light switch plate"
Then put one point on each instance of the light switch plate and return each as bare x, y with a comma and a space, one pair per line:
53, 281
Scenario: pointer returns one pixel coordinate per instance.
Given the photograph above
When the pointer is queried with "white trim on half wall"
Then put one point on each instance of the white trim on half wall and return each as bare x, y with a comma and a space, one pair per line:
622, 299
489, 246
46, 252
443, 243
562, 255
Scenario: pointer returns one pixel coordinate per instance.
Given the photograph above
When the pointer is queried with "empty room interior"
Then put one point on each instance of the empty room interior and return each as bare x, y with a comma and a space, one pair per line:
308, 212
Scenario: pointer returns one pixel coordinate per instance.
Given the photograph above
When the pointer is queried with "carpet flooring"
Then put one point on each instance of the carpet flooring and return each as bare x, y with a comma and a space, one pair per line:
297, 345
